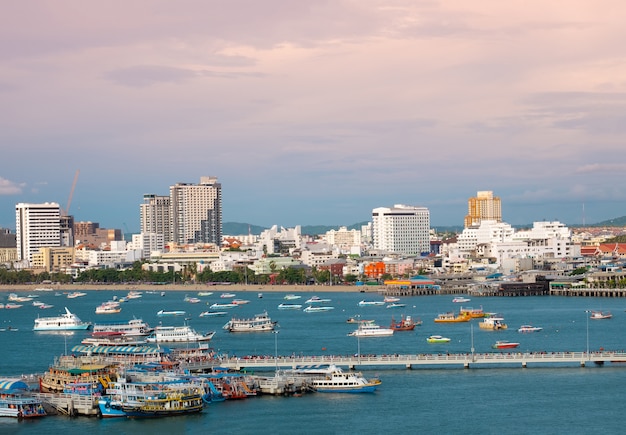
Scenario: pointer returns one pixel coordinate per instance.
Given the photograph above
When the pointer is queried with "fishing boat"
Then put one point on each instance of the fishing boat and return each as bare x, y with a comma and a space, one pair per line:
599, 315
258, 323
452, 318
335, 380
313, 309
366, 303
404, 324
289, 306
504, 345
316, 300
16, 403
529, 328
474, 313
134, 327
177, 334
212, 313
65, 322
371, 329
493, 323
437, 339
460, 299
163, 313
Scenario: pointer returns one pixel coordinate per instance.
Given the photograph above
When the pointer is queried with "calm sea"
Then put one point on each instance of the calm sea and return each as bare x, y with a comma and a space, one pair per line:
511, 400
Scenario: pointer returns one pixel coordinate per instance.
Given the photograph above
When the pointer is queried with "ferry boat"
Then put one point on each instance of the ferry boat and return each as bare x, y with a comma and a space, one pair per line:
529, 328
437, 339
289, 306
452, 318
404, 324
71, 370
371, 329
504, 345
134, 327
493, 323
335, 380
259, 323
177, 334
64, 322
14, 402
113, 340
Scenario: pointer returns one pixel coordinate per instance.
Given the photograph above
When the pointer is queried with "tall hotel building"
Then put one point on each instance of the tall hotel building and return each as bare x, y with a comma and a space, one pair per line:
402, 229
36, 226
155, 216
196, 212
484, 206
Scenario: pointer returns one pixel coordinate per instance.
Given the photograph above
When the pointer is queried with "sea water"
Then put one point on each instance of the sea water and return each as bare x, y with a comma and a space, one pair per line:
480, 400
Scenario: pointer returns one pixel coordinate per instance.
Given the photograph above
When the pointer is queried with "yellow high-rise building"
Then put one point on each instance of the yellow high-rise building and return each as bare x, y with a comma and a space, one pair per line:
484, 206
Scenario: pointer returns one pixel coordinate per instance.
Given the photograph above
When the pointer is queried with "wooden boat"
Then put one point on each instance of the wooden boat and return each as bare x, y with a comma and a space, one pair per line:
167, 403
70, 369
404, 324
504, 345
452, 318
14, 402
599, 315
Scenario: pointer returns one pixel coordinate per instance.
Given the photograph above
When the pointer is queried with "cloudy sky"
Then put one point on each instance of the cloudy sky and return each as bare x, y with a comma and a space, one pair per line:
315, 112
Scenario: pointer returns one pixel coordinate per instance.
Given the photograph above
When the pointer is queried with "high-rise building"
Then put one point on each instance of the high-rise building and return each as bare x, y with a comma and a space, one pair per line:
402, 229
484, 206
154, 215
36, 226
196, 212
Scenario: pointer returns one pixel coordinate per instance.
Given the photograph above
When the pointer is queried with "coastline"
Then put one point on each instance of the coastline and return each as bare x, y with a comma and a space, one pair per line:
253, 288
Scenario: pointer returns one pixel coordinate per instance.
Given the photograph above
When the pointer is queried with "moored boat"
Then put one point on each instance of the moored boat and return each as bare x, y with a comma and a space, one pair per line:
474, 313
65, 322
258, 323
111, 307
166, 403
291, 297
460, 299
314, 309
16, 403
452, 318
223, 306
404, 324
316, 300
390, 299
177, 334
212, 313
335, 380
396, 305
133, 327
366, 303
163, 313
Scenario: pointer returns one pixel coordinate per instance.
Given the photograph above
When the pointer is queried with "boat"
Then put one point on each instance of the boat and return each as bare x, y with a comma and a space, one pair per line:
12, 306
316, 300
452, 318
529, 328
212, 313
474, 313
45, 306
356, 319
598, 315
191, 300
371, 329
365, 303
493, 323
13, 297
166, 403
177, 334
404, 324
134, 327
71, 370
504, 345
73, 295
335, 380
134, 295
311, 309
113, 340
222, 306
111, 307
227, 295
65, 322
16, 403
390, 299
205, 293
258, 323
163, 313
396, 305
240, 301
289, 306
437, 339
460, 299
291, 297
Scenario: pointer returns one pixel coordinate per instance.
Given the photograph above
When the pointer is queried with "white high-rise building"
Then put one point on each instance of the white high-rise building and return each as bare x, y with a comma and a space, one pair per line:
154, 215
36, 226
196, 212
402, 229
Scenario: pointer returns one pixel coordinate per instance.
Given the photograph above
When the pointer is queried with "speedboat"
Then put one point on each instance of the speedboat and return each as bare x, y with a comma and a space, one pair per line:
597, 315
437, 339
460, 299
365, 303
291, 297
212, 313
311, 309
222, 306
227, 295
162, 313
289, 306
529, 328
389, 299
396, 305
316, 300
504, 345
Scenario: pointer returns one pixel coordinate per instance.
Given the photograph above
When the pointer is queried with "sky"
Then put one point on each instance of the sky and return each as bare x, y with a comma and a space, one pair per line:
315, 112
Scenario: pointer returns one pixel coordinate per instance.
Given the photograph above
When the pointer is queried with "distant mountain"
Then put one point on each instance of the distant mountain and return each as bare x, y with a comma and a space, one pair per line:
616, 222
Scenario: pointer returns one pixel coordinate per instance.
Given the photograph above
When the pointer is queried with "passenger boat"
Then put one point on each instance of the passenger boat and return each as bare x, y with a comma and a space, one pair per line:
598, 315
289, 306
365, 303
258, 323
335, 380
504, 345
212, 313
437, 339
167, 403
316, 300
222, 306
111, 307
16, 403
177, 334
312, 309
64, 322
404, 324
371, 329
163, 313
71, 370
452, 318
460, 299
134, 327
529, 328
474, 313
493, 323
291, 297
113, 339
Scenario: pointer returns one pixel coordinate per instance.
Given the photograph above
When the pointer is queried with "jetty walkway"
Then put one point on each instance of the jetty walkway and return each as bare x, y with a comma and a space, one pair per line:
466, 360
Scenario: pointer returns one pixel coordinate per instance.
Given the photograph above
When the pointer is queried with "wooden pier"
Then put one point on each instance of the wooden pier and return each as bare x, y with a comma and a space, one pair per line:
70, 404
466, 360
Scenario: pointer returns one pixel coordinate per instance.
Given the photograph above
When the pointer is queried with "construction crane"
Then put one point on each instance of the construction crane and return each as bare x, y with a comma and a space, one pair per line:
66, 212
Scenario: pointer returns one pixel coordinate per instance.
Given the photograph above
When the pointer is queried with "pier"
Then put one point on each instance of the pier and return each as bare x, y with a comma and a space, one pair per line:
69, 404
464, 360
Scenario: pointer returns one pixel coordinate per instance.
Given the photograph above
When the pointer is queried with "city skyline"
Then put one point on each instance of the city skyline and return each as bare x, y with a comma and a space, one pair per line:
315, 113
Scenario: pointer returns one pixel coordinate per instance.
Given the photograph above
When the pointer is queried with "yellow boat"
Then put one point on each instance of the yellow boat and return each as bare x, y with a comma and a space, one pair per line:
452, 318
474, 313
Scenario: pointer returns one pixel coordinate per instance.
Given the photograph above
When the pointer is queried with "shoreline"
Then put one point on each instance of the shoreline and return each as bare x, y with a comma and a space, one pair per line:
254, 288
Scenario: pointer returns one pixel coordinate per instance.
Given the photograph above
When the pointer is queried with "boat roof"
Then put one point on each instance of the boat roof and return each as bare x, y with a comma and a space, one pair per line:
119, 349
12, 385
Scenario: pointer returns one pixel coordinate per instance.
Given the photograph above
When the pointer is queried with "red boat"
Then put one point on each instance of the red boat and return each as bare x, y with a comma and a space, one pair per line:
405, 324
505, 345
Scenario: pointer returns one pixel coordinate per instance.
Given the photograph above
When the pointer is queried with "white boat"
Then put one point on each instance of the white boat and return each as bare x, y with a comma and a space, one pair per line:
335, 380
365, 303
134, 295
460, 299
110, 307
11, 306
177, 334
73, 295
205, 293
16, 403
596, 315
312, 309
390, 299
371, 329
494, 323
212, 313
64, 322
529, 328
396, 305
227, 295
113, 340
191, 299
240, 301
222, 306
291, 297
316, 300
258, 323
289, 306
163, 313
13, 297
134, 327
